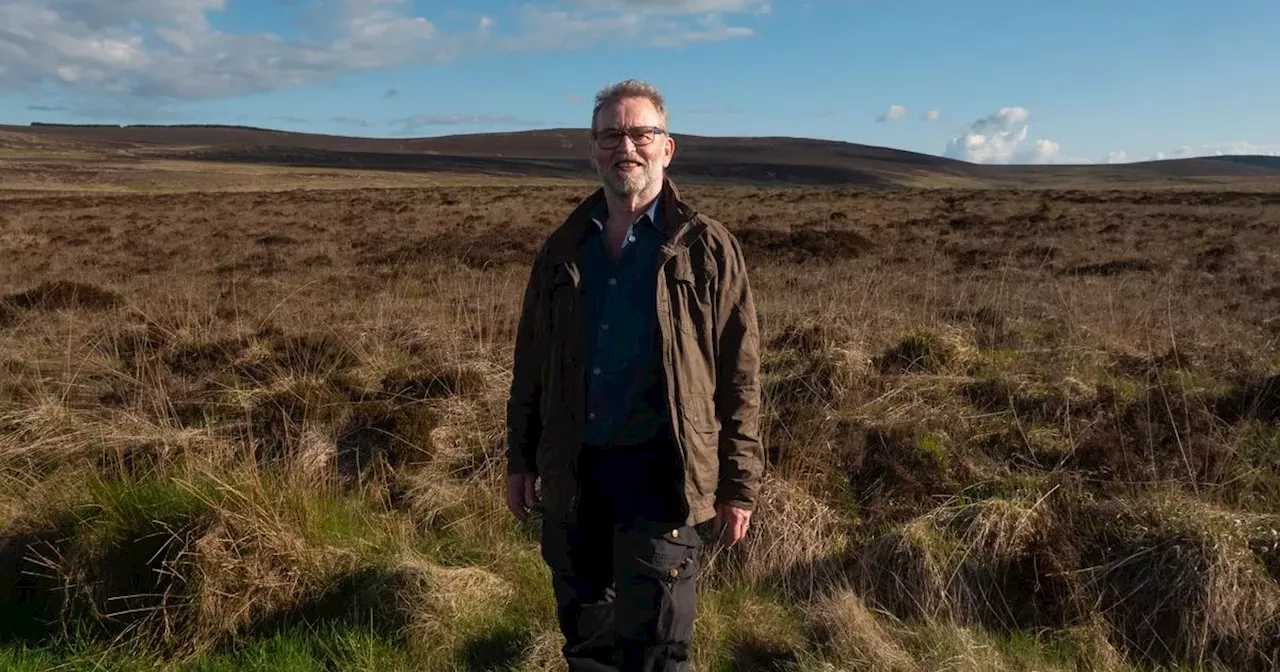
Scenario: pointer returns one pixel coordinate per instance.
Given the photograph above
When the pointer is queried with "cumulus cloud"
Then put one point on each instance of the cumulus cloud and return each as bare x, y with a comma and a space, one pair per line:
893, 113
931, 115
168, 48
158, 50
1001, 137
1117, 156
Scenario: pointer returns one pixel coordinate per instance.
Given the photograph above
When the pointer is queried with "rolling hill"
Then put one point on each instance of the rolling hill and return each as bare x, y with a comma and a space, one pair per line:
562, 153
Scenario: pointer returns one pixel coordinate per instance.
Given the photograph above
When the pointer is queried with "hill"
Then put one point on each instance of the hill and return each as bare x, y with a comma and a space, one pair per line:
561, 152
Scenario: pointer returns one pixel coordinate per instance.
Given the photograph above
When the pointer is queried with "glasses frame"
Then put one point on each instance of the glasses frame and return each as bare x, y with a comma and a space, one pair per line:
641, 136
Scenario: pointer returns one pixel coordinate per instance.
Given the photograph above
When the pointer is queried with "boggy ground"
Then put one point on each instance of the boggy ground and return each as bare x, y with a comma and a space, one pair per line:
1007, 430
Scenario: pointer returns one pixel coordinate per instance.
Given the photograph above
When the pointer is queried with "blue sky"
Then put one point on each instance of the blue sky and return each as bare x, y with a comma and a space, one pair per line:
992, 81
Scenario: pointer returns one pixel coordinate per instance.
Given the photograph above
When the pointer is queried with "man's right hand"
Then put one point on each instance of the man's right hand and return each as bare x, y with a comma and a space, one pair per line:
520, 494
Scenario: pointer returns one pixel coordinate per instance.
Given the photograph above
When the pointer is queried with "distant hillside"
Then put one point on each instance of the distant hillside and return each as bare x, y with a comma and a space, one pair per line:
562, 152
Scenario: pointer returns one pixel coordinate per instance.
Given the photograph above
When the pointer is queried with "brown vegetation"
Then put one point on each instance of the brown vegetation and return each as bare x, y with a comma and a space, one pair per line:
990, 415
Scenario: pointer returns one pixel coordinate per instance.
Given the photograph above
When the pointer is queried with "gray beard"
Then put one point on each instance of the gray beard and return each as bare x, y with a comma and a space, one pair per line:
628, 186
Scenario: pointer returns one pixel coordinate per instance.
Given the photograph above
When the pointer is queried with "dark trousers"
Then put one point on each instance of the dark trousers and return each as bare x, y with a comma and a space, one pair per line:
625, 573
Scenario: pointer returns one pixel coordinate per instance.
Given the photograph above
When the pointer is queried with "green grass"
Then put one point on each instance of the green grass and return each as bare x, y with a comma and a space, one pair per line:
304, 649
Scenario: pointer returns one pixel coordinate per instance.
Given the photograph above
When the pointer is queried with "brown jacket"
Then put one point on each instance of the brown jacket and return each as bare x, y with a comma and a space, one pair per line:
709, 342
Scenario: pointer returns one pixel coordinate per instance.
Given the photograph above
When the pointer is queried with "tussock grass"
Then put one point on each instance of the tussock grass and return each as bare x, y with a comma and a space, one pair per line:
798, 545
851, 634
1178, 582
994, 443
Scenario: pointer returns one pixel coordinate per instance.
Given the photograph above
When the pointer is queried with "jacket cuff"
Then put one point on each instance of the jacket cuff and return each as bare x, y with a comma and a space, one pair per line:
517, 464
737, 499
738, 504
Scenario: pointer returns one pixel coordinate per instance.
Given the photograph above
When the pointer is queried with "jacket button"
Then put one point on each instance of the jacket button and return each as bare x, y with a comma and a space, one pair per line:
675, 534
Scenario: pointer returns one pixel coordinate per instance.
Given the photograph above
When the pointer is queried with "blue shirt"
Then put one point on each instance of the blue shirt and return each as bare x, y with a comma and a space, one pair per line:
626, 402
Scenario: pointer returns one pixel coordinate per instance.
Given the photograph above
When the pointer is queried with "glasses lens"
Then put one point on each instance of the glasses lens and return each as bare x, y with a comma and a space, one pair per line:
639, 137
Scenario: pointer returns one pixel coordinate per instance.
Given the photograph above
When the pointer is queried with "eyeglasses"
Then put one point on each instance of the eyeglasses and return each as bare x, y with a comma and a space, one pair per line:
610, 138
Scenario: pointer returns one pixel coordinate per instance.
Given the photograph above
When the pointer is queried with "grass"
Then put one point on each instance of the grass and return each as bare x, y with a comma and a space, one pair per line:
263, 429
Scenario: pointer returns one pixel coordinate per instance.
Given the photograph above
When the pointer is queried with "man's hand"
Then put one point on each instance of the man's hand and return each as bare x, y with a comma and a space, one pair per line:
520, 494
732, 523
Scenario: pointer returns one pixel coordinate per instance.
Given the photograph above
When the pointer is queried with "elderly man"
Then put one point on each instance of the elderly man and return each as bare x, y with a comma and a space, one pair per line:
635, 398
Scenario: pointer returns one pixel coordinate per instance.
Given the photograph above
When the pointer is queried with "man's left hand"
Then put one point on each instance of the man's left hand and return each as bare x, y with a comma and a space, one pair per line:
732, 523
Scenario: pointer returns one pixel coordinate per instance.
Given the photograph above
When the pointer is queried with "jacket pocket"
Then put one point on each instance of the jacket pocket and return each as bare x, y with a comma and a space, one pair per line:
690, 300
702, 443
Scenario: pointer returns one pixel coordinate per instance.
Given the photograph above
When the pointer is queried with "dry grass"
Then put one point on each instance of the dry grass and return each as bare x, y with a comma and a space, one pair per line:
1006, 430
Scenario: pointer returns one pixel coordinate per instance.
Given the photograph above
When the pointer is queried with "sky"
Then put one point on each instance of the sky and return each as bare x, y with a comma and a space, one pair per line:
988, 81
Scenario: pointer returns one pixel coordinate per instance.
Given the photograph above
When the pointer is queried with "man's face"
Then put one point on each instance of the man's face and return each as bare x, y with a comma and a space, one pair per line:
628, 169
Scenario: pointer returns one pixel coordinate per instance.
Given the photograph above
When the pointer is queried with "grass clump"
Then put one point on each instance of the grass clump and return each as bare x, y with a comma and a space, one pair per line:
1002, 564
929, 351
1178, 583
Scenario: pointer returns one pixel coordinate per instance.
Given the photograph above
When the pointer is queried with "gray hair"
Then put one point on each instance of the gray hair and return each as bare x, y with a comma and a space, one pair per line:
630, 88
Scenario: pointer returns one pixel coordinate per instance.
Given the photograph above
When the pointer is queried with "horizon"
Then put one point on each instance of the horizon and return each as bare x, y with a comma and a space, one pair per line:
585, 129
995, 83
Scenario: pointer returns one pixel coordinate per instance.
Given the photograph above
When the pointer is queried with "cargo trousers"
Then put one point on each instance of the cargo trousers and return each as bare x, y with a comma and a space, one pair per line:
625, 571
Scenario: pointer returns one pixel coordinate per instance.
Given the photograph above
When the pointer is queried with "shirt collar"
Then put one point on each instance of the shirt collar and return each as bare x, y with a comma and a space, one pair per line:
600, 213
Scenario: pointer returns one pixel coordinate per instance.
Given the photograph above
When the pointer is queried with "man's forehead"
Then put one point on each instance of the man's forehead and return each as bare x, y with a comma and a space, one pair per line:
631, 109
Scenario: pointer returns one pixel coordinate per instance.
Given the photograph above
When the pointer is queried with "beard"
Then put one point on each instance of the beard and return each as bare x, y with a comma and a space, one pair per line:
630, 183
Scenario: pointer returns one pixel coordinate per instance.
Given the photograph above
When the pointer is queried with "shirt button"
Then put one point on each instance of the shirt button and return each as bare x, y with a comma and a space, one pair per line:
675, 534
674, 573
613, 281
596, 370
591, 416
604, 327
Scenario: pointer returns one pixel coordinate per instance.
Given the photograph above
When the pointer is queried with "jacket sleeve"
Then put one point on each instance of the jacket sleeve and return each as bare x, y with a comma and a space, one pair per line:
524, 421
738, 385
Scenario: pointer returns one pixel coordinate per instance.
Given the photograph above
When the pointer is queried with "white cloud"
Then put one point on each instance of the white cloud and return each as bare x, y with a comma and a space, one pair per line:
1001, 137
1230, 148
168, 49
1117, 156
893, 113
118, 52
1043, 151
932, 115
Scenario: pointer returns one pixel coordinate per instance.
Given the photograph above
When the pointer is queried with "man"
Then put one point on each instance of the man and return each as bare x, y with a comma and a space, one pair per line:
635, 398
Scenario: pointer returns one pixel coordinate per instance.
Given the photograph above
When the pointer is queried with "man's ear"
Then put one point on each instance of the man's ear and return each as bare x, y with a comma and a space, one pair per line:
670, 150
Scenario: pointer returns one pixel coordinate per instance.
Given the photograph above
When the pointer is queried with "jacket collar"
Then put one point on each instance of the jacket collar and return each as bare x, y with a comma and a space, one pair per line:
600, 213
679, 224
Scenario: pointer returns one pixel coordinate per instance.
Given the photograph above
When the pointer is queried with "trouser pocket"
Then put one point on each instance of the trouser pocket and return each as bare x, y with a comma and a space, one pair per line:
657, 574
